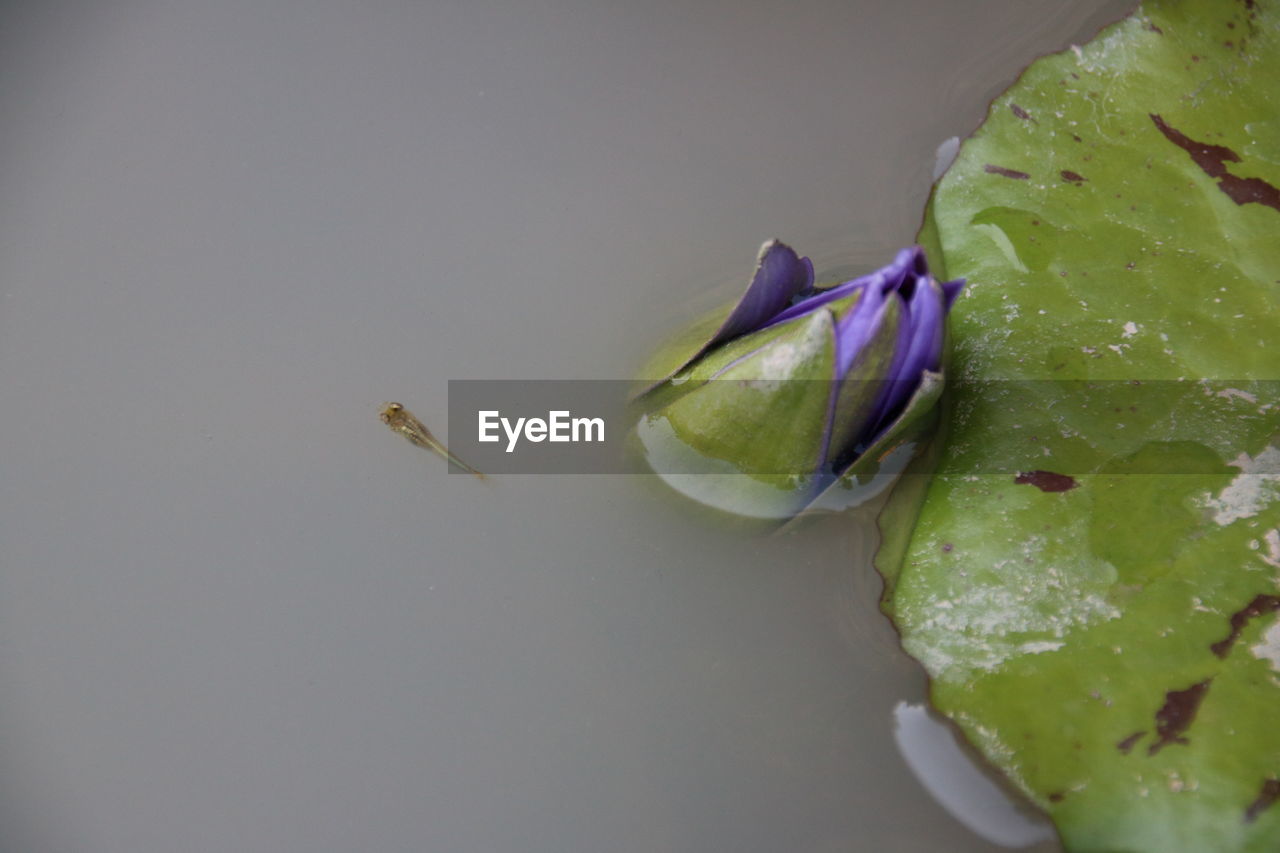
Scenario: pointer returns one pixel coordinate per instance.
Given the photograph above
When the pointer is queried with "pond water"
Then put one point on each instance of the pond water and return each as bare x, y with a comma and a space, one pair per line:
236, 613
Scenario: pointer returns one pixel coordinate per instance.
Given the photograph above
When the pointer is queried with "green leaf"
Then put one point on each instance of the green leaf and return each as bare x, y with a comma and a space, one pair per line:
1103, 626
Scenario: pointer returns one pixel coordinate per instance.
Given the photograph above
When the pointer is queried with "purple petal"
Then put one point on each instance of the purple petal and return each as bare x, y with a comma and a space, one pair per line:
822, 297
911, 260
923, 347
927, 316
884, 279
920, 339
780, 275
853, 332
951, 289
856, 327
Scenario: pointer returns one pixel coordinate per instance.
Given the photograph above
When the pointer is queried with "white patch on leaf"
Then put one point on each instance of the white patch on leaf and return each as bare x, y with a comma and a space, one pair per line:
1256, 486
1229, 393
980, 626
1268, 646
1272, 557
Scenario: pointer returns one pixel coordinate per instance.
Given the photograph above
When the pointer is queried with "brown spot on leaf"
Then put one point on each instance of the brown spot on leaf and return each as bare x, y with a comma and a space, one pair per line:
1153, 28
1176, 715
1269, 793
1261, 604
1021, 113
1250, 190
1072, 177
1127, 744
1046, 481
1008, 173
1056, 797
946, 547
1213, 160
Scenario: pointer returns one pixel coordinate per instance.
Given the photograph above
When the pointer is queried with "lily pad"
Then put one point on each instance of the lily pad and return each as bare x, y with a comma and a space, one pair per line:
1093, 577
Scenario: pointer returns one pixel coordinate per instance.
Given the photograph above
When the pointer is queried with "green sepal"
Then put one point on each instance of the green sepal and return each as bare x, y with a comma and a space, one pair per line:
759, 422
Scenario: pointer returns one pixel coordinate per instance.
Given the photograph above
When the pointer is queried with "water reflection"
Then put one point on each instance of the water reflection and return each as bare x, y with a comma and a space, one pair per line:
947, 772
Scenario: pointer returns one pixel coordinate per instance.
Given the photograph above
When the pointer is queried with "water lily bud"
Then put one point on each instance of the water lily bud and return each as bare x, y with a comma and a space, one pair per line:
795, 396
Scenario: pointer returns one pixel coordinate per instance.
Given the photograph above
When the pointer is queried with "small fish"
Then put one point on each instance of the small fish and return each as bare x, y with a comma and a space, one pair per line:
402, 421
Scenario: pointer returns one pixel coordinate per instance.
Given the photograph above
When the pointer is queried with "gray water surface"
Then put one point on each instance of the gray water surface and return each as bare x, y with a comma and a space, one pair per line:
237, 614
